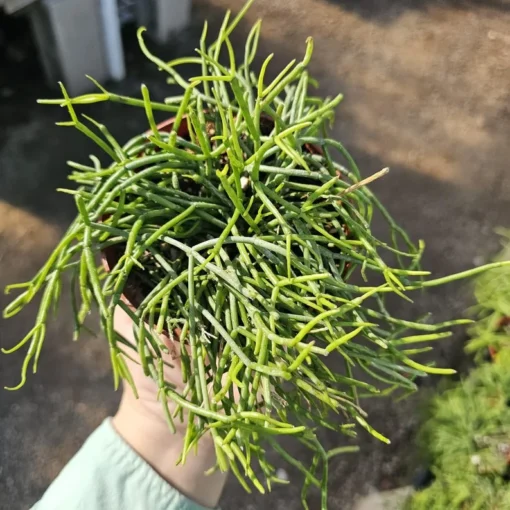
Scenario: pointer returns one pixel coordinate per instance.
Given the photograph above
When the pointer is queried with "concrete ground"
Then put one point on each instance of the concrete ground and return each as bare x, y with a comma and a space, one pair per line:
426, 86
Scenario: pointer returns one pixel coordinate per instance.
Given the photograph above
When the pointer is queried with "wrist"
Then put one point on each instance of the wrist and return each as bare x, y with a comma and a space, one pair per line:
149, 436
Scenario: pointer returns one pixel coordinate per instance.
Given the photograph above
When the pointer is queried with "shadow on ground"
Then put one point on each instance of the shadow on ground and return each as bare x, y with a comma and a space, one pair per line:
427, 97
388, 11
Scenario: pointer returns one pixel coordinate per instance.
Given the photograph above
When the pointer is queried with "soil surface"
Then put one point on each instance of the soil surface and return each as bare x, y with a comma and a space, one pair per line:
427, 93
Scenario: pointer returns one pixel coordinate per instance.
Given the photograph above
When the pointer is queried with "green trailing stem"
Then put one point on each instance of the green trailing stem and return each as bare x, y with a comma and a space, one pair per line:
241, 225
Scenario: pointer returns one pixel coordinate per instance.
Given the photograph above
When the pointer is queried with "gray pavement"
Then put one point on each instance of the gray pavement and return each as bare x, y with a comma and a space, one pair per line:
426, 87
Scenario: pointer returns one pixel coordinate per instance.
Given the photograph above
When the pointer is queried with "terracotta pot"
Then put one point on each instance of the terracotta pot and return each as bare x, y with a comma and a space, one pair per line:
167, 125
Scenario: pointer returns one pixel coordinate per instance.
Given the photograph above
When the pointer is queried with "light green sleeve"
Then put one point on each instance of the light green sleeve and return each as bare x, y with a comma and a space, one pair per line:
106, 474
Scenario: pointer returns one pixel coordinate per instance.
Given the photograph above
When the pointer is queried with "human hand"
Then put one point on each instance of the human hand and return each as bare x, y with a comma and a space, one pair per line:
141, 423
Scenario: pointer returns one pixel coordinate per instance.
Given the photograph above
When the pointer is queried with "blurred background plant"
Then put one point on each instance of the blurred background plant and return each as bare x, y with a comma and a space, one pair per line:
492, 292
466, 440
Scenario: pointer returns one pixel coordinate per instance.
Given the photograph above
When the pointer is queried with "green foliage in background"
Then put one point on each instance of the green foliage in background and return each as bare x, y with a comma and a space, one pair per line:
467, 438
492, 292
468, 444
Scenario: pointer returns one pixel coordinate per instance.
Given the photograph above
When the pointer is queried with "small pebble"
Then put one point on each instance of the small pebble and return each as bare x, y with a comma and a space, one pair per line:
245, 181
282, 474
479, 260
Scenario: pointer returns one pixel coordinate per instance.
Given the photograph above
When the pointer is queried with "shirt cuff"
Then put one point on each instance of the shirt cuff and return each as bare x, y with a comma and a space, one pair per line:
107, 474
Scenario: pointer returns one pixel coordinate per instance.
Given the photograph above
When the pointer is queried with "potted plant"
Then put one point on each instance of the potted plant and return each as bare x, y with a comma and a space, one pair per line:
238, 230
